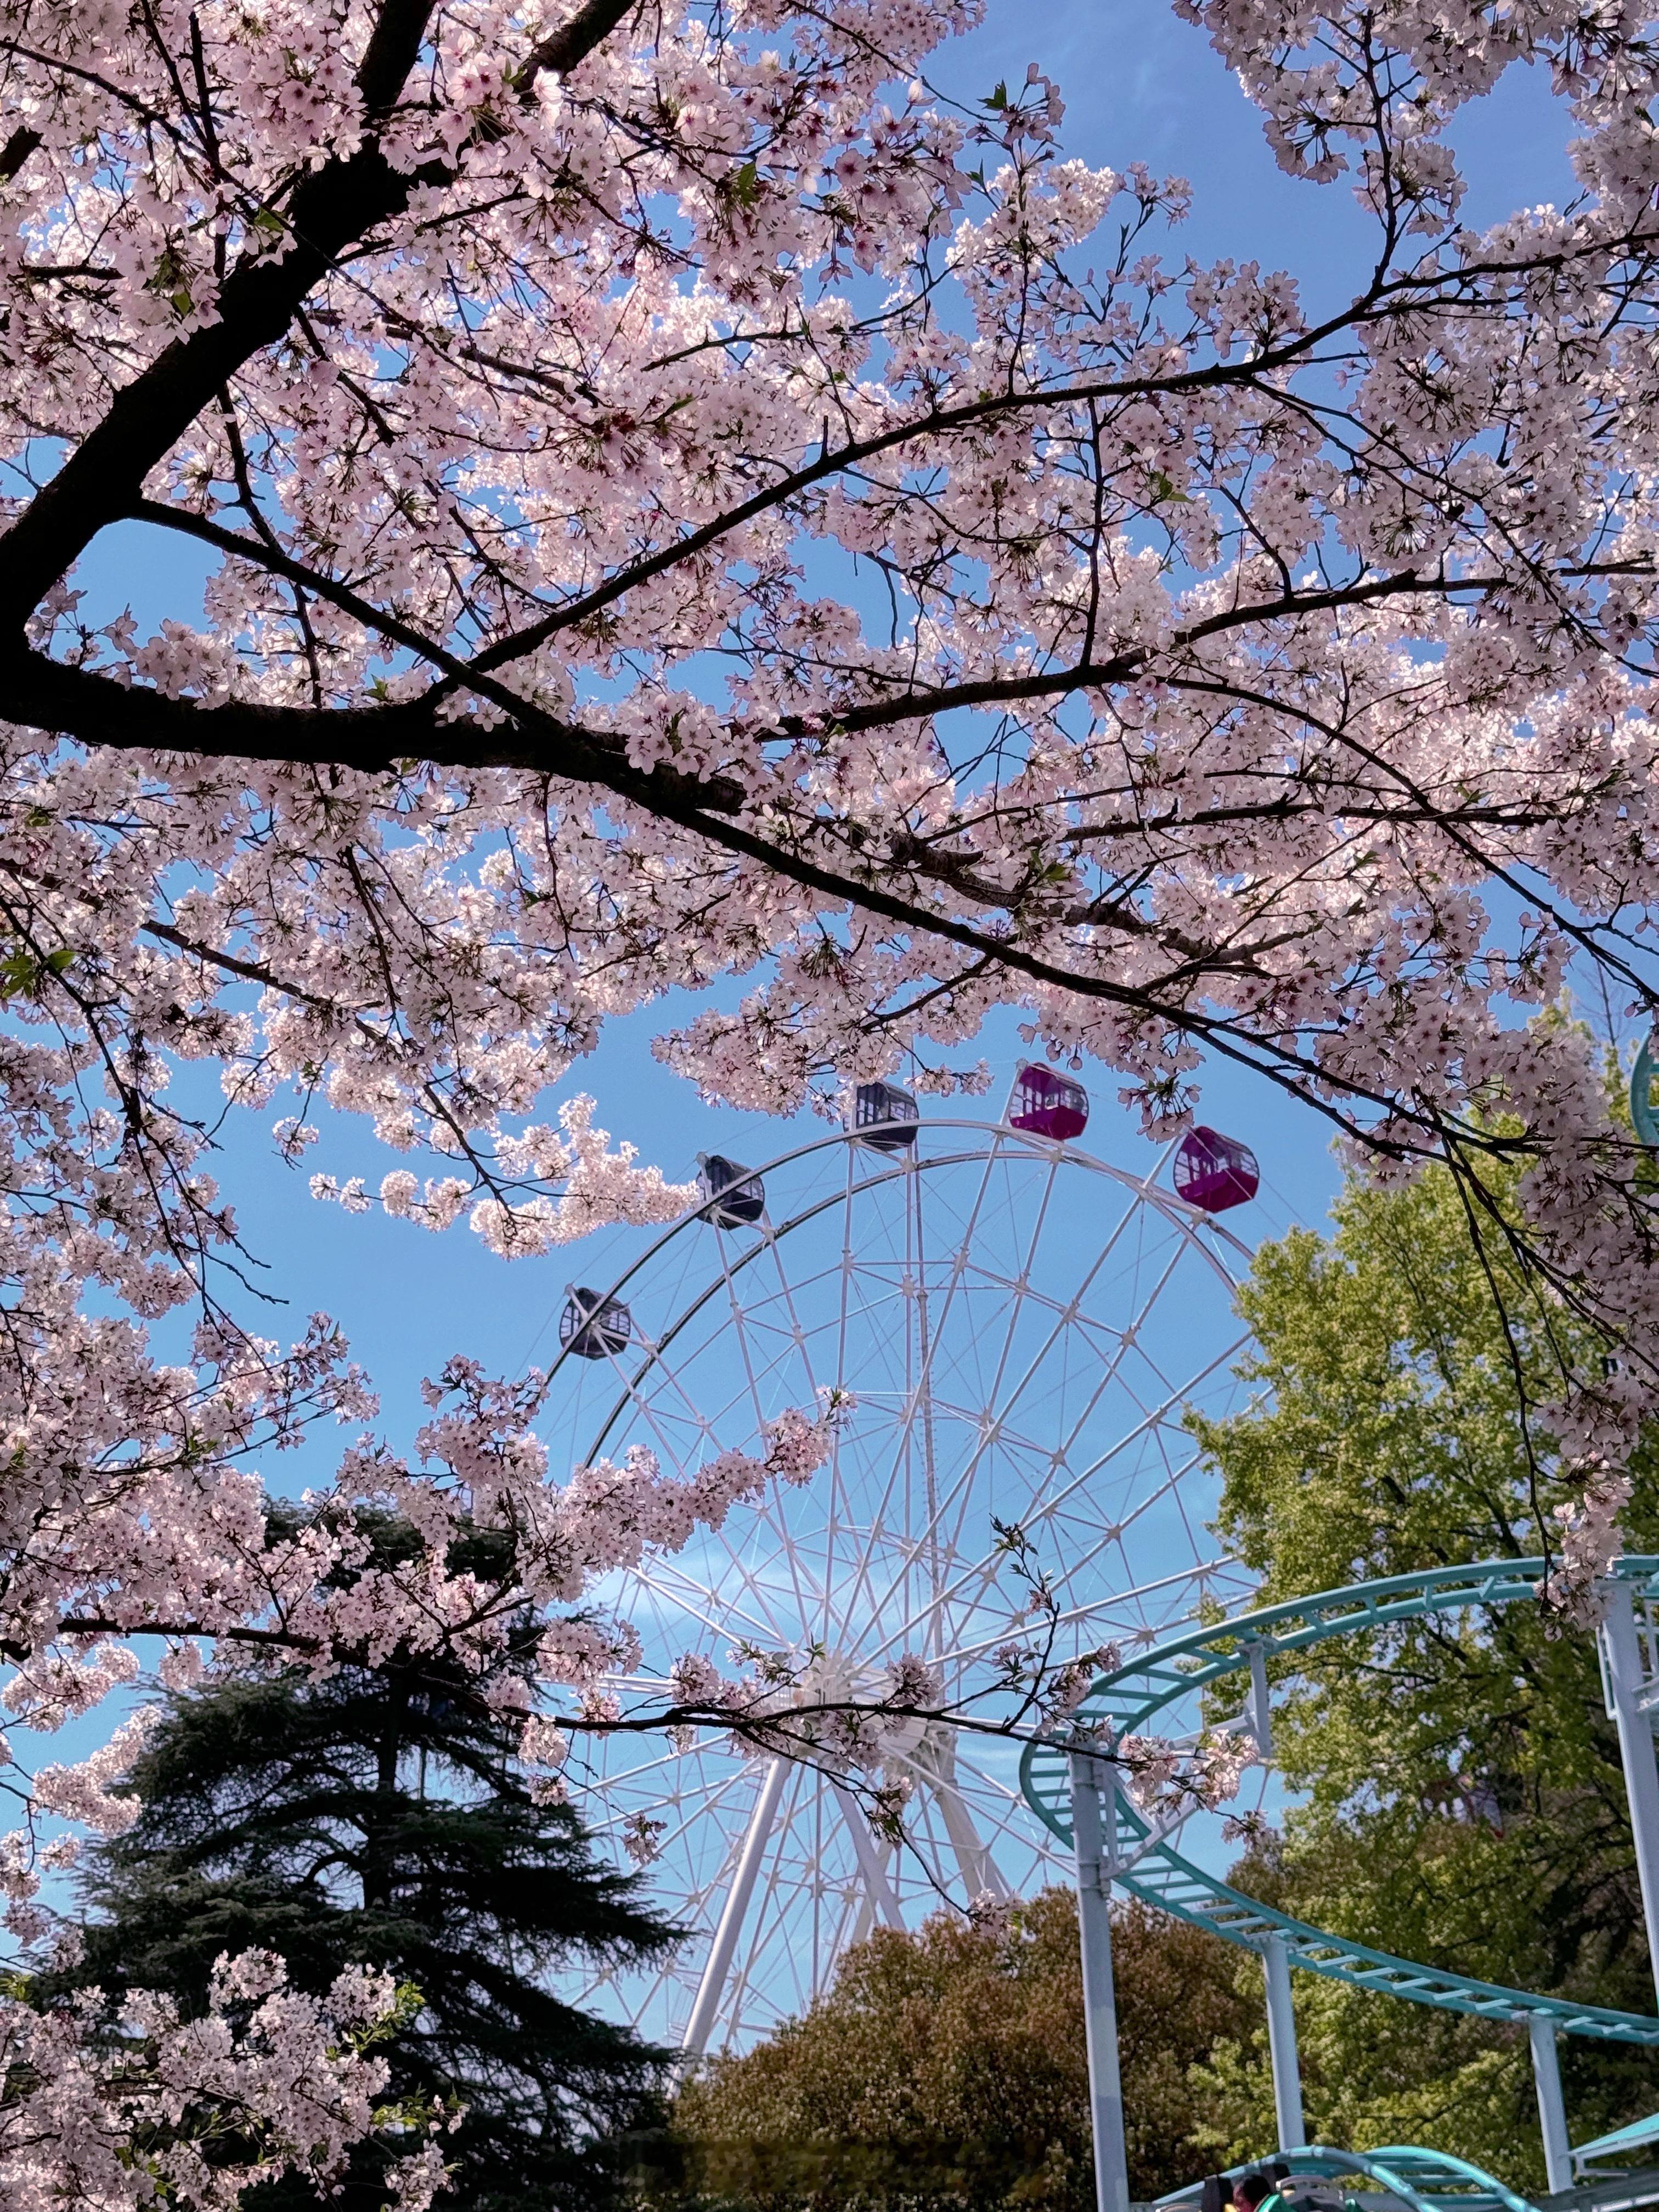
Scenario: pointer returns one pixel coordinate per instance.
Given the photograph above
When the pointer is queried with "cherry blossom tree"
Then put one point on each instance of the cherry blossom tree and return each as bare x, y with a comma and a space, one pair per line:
684, 501
196, 2111
533, 374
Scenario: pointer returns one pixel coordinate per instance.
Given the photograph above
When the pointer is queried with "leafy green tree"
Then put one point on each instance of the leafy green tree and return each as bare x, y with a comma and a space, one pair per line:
376, 1816
945, 2068
1464, 1801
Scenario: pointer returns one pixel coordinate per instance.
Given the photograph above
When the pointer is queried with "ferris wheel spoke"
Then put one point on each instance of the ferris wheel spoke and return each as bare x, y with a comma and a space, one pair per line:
1110, 1372
661, 1984
701, 1601
769, 1625
980, 1870
715, 1600
1111, 1535
961, 1494
865, 1850
693, 1809
766, 1907
740, 1328
1151, 1422
1203, 1571
1017, 1303
976, 1577
933, 1329
932, 1847
712, 1984
1145, 1503
1010, 1820
838, 1499
800, 1336
697, 1808
924, 1539
857, 1591
1003, 1812
863, 1924
668, 1444
916, 1394
747, 1566
618, 1782
1114, 1608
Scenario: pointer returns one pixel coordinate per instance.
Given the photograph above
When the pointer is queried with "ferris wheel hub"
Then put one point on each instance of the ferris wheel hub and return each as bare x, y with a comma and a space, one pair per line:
833, 1678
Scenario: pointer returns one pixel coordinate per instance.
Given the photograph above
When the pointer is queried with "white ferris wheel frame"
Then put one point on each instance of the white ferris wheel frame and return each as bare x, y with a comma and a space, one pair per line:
973, 1141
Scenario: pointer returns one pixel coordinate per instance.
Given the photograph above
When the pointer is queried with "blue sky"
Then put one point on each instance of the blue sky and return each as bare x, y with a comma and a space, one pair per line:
1140, 84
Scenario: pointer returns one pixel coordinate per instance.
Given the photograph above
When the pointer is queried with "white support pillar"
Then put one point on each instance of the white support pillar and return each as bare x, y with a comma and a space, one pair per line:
710, 1989
1552, 2112
1281, 2045
877, 1887
981, 1874
1091, 1837
1260, 1711
1624, 1657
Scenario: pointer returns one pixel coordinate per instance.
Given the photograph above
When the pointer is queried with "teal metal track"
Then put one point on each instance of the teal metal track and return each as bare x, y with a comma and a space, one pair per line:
1641, 1096
1423, 2180
1636, 2135
1132, 1699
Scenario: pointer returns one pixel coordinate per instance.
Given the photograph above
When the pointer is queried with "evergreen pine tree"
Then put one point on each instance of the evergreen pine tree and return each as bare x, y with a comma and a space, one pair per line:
376, 1817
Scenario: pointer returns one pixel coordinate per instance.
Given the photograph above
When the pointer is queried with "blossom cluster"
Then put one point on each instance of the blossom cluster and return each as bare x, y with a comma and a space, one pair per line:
544, 387
270, 2082
1163, 1779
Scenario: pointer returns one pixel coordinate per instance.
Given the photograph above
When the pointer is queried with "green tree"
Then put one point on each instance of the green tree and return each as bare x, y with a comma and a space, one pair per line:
946, 2067
1464, 1802
376, 1816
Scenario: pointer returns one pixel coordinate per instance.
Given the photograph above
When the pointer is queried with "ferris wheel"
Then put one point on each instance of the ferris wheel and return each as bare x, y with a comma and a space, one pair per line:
1023, 1327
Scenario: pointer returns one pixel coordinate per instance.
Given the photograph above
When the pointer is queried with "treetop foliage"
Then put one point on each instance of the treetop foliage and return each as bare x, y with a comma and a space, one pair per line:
1461, 1798
945, 2068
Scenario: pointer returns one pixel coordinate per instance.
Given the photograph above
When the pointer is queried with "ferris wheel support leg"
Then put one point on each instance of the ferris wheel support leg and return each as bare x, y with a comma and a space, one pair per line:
878, 1889
1094, 1891
712, 1986
981, 1875
1281, 2046
1625, 1680
1551, 2111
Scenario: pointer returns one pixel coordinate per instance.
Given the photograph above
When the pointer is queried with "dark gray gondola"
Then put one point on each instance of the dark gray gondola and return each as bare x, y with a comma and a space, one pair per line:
735, 1197
884, 1117
594, 1327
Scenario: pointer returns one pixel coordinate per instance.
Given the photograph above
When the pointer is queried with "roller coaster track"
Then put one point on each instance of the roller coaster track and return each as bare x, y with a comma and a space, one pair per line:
1422, 2180
1149, 1867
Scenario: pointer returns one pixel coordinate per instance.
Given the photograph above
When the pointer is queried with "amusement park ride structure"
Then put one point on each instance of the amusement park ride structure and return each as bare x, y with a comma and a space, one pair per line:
1074, 1793
1017, 1320
1022, 1326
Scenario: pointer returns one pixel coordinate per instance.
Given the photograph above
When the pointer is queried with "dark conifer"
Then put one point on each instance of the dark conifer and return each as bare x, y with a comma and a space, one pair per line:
376, 1817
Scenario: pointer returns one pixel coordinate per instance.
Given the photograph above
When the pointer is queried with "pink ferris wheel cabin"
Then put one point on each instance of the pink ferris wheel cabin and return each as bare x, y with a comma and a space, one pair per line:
1214, 1172
1048, 1104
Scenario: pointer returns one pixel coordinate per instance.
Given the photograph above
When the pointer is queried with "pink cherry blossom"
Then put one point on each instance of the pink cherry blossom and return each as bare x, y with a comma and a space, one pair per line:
547, 385
295, 2071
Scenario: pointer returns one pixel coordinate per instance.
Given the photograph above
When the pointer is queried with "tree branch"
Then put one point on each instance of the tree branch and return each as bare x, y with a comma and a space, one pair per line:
331, 209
